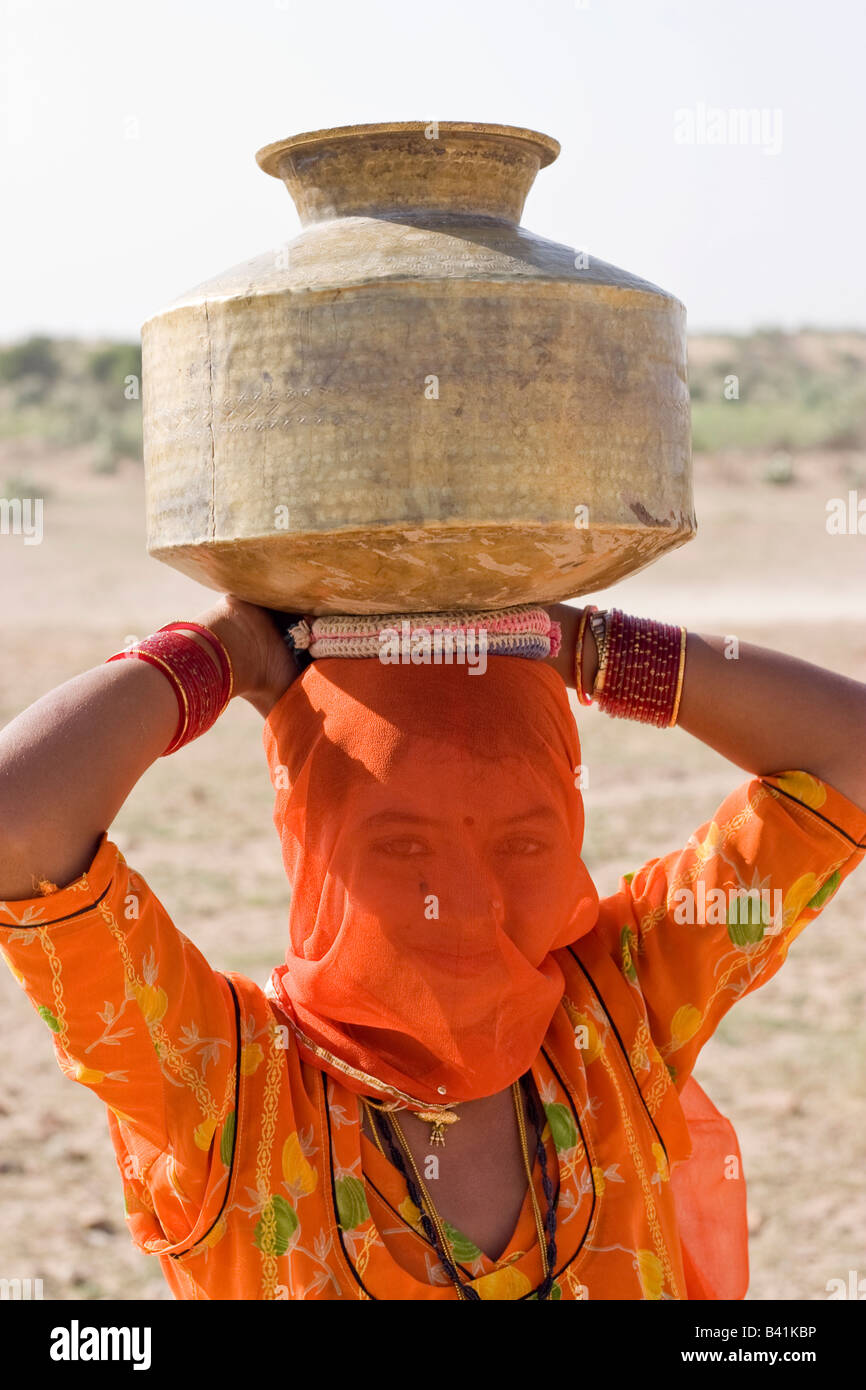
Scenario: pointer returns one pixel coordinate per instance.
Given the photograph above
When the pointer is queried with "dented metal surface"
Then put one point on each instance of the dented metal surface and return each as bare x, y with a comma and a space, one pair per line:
417, 403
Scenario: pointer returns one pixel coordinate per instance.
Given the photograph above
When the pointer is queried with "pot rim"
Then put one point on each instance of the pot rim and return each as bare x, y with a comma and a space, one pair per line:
270, 156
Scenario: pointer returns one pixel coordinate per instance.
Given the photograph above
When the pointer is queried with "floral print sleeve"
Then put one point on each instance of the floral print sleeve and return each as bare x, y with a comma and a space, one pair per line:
137, 1015
696, 930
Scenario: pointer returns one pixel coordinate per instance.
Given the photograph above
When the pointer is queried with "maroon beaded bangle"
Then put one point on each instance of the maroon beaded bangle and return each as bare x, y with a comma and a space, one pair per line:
631, 636
644, 670
614, 653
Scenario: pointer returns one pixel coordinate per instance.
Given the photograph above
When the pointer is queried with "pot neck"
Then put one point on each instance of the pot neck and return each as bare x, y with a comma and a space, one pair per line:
404, 171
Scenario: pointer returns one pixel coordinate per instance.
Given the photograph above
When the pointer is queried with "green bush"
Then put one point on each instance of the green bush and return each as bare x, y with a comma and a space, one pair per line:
22, 485
779, 470
34, 357
114, 363
116, 440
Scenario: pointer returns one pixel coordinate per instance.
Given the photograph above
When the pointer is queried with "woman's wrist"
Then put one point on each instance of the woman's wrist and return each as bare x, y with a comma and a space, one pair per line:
237, 641
638, 664
569, 618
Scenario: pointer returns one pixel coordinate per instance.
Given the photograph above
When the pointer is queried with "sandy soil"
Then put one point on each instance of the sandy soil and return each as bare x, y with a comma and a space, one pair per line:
788, 1063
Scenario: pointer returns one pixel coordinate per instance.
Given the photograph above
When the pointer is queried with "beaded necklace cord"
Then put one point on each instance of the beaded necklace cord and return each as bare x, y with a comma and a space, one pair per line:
431, 1222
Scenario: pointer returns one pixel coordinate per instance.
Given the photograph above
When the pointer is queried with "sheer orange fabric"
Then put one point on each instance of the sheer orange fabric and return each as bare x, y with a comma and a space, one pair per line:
431, 830
710, 1202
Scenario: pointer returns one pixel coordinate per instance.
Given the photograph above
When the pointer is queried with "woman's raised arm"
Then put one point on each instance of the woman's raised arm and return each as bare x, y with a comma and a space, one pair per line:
68, 763
763, 710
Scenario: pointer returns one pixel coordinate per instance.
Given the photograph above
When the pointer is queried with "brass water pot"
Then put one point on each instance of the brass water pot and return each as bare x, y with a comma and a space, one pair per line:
416, 403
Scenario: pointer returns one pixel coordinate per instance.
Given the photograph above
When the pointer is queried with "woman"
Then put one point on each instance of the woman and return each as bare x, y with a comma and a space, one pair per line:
470, 1079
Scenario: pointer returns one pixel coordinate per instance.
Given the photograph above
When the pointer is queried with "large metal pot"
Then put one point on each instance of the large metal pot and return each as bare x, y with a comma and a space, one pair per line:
416, 403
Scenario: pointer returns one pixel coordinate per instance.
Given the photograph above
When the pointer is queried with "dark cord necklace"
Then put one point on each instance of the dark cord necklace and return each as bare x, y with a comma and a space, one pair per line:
429, 1227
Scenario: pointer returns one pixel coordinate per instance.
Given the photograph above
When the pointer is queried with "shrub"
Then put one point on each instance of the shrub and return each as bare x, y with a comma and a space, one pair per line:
779, 470
115, 362
34, 357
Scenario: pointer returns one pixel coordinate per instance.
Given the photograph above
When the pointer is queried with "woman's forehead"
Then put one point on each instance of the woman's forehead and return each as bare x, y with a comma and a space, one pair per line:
431, 788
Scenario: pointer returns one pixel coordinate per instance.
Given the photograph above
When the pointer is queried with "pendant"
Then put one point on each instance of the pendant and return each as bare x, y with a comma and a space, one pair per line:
438, 1120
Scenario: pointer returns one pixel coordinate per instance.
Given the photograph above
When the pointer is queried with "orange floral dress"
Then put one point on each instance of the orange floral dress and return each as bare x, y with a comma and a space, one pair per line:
246, 1172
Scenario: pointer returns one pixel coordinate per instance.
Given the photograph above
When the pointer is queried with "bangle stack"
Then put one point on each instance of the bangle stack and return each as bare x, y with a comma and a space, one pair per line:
641, 665
202, 688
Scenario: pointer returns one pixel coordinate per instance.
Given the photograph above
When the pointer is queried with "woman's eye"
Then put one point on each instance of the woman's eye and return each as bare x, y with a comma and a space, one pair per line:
403, 848
521, 844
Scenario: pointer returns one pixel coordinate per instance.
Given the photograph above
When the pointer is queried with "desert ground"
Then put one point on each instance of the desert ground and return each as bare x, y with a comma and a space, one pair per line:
787, 1066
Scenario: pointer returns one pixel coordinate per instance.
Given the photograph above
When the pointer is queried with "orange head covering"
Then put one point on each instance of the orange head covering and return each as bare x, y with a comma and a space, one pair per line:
431, 830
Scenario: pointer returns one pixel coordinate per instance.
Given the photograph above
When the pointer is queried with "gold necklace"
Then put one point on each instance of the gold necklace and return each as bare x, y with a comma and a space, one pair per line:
438, 1118
428, 1200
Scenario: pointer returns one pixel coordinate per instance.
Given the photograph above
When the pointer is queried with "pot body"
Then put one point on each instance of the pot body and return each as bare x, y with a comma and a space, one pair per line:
417, 403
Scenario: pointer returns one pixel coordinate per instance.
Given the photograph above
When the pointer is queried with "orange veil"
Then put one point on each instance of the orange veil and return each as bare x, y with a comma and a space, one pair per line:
431, 829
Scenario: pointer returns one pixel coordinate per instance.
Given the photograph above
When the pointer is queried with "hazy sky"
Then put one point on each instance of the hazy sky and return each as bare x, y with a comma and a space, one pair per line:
128, 135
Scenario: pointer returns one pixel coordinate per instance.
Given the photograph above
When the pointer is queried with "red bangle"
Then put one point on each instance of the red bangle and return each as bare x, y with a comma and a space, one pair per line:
159, 665
202, 691
218, 647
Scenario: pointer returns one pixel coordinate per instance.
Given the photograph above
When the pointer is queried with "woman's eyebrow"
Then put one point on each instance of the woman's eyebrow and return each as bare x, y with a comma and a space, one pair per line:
407, 817
537, 812
410, 818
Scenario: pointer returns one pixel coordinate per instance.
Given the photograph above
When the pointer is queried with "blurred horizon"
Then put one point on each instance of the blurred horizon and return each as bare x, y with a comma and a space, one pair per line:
768, 390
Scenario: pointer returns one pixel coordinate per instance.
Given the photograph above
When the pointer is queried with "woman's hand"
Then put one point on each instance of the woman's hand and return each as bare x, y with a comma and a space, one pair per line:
568, 618
263, 665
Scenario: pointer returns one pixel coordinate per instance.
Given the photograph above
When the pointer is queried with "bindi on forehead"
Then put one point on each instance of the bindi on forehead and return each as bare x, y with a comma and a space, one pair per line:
468, 820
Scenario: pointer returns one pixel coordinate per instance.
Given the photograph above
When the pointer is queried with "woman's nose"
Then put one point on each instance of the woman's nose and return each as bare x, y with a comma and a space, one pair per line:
471, 890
